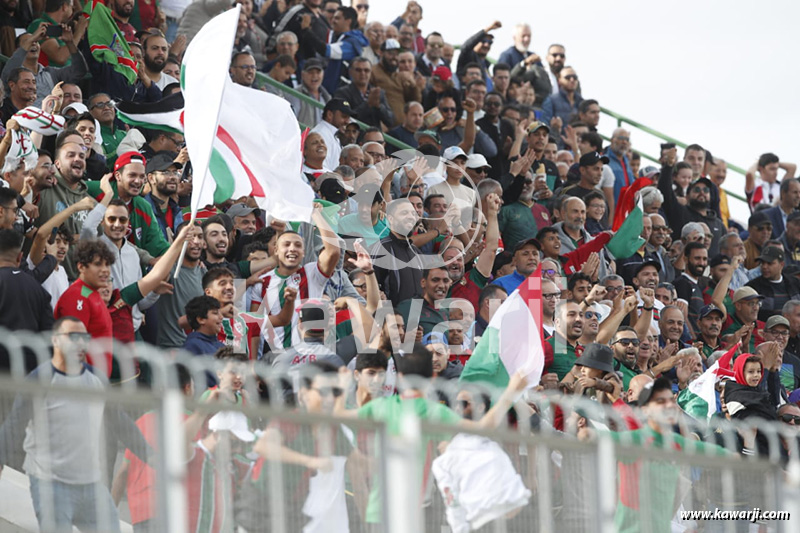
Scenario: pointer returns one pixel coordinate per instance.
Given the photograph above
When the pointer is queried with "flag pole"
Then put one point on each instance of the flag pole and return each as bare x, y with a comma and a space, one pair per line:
203, 179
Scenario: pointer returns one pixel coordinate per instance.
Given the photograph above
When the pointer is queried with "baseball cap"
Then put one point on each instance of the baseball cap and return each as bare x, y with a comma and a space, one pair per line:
651, 388
708, 309
162, 161
337, 104
232, 421
757, 219
333, 190
434, 337
537, 125
746, 293
719, 259
770, 254
239, 210
442, 73
639, 266
777, 320
427, 133
128, 158
649, 172
477, 161
700, 181
526, 242
592, 158
452, 152
312, 64
391, 44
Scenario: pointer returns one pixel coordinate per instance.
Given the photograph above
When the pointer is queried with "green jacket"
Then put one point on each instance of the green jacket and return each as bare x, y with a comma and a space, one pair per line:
146, 232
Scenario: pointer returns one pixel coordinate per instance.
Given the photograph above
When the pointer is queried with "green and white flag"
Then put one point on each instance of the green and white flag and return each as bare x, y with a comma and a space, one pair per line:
241, 141
628, 238
164, 115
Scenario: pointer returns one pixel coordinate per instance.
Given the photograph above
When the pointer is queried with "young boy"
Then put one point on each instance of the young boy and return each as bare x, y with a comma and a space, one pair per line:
205, 318
230, 376
370, 375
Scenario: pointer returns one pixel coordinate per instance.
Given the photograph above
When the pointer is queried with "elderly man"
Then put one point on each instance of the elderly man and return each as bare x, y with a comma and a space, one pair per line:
745, 326
618, 159
412, 123
655, 248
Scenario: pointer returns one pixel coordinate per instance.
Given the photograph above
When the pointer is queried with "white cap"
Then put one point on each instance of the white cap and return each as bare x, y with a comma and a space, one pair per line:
77, 106
391, 44
477, 161
232, 421
451, 152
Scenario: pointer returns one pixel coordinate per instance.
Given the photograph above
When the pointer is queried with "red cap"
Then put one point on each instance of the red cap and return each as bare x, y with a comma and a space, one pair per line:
129, 157
443, 73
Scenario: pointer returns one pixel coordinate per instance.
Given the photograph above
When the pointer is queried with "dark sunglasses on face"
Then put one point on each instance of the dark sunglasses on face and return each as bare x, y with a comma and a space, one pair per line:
447, 109
571, 77
627, 342
791, 419
591, 315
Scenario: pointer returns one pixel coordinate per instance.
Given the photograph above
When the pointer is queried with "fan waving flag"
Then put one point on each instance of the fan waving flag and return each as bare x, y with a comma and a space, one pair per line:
106, 42
242, 142
164, 115
512, 340
627, 201
699, 399
628, 237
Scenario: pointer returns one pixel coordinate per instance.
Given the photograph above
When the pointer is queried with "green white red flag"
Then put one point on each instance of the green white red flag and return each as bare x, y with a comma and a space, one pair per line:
106, 42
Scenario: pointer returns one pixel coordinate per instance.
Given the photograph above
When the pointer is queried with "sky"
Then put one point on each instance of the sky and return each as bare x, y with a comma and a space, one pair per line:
724, 75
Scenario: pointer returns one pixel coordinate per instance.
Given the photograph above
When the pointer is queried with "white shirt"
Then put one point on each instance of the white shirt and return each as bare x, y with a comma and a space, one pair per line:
766, 193
658, 304
55, 284
165, 80
328, 133
607, 180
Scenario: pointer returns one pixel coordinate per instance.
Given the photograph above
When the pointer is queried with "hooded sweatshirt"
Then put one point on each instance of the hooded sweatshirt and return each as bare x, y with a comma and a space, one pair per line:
744, 401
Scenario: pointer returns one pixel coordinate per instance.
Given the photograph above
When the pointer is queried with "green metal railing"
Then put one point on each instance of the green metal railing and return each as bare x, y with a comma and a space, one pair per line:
621, 119
261, 77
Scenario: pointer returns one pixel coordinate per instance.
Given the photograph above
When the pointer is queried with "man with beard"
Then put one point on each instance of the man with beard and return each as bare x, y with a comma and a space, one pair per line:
398, 88
516, 219
217, 246
525, 260
655, 248
691, 283
469, 287
44, 175
709, 327
398, 263
776, 287
569, 328
127, 184
626, 348
718, 291
163, 174
501, 132
699, 203
156, 50
243, 69
309, 279
122, 10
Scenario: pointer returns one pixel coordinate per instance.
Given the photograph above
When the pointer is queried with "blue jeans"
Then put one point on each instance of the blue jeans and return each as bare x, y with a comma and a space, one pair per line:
59, 506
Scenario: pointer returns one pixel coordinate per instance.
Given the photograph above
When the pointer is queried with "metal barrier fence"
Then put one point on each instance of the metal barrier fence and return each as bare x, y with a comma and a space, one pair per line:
561, 463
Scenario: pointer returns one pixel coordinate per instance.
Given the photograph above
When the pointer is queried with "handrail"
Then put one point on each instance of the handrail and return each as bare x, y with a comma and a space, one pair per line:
260, 76
663, 136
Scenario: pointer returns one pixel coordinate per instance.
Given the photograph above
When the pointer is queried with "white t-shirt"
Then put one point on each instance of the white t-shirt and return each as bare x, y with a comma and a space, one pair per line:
607, 180
55, 284
313, 287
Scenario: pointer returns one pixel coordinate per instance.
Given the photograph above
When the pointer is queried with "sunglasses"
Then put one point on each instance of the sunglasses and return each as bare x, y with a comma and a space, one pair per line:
627, 342
571, 77
701, 189
592, 315
559, 55
101, 105
791, 419
482, 170
447, 109
362, 7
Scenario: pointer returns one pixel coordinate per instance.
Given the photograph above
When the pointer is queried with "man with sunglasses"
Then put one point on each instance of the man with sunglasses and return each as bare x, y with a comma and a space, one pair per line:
626, 348
475, 49
698, 207
565, 103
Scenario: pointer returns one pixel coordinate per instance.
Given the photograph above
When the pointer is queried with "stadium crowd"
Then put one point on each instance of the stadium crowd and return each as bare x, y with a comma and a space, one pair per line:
408, 256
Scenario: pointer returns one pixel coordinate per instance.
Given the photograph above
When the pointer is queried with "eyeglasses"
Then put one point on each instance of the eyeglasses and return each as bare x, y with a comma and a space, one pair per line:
753, 303
110, 104
362, 7
791, 419
362, 70
551, 295
559, 55
13, 208
549, 272
592, 315
571, 77
360, 285
246, 67
487, 41
447, 109
170, 173
614, 289
77, 336
329, 391
660, 228
114, 220
780, 333
407, 33
627, 342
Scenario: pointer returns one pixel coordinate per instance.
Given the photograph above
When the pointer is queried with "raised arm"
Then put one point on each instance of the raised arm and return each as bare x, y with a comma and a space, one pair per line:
486, 259
364, 262
37, 252
329, 256
790, 168
611, 324
163, 267
750, 178
469, 127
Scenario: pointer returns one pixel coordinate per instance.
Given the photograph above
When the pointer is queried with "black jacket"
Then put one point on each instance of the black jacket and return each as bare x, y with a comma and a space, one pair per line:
373, 116
499, 163
398, 268
770, 305
468, 55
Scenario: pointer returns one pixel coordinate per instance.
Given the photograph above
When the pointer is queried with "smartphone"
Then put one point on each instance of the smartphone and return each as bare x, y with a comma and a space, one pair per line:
54, 31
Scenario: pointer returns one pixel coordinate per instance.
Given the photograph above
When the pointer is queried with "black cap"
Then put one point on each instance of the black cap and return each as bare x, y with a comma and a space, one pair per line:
719, 259
651, 388
597, 356
757, 219
700, 181
708, 309
526, 242
637, 267
770, 254
337, 104
312, 64
312, 311
332, 190
794, 215
592, 158
369, 194
161, 162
